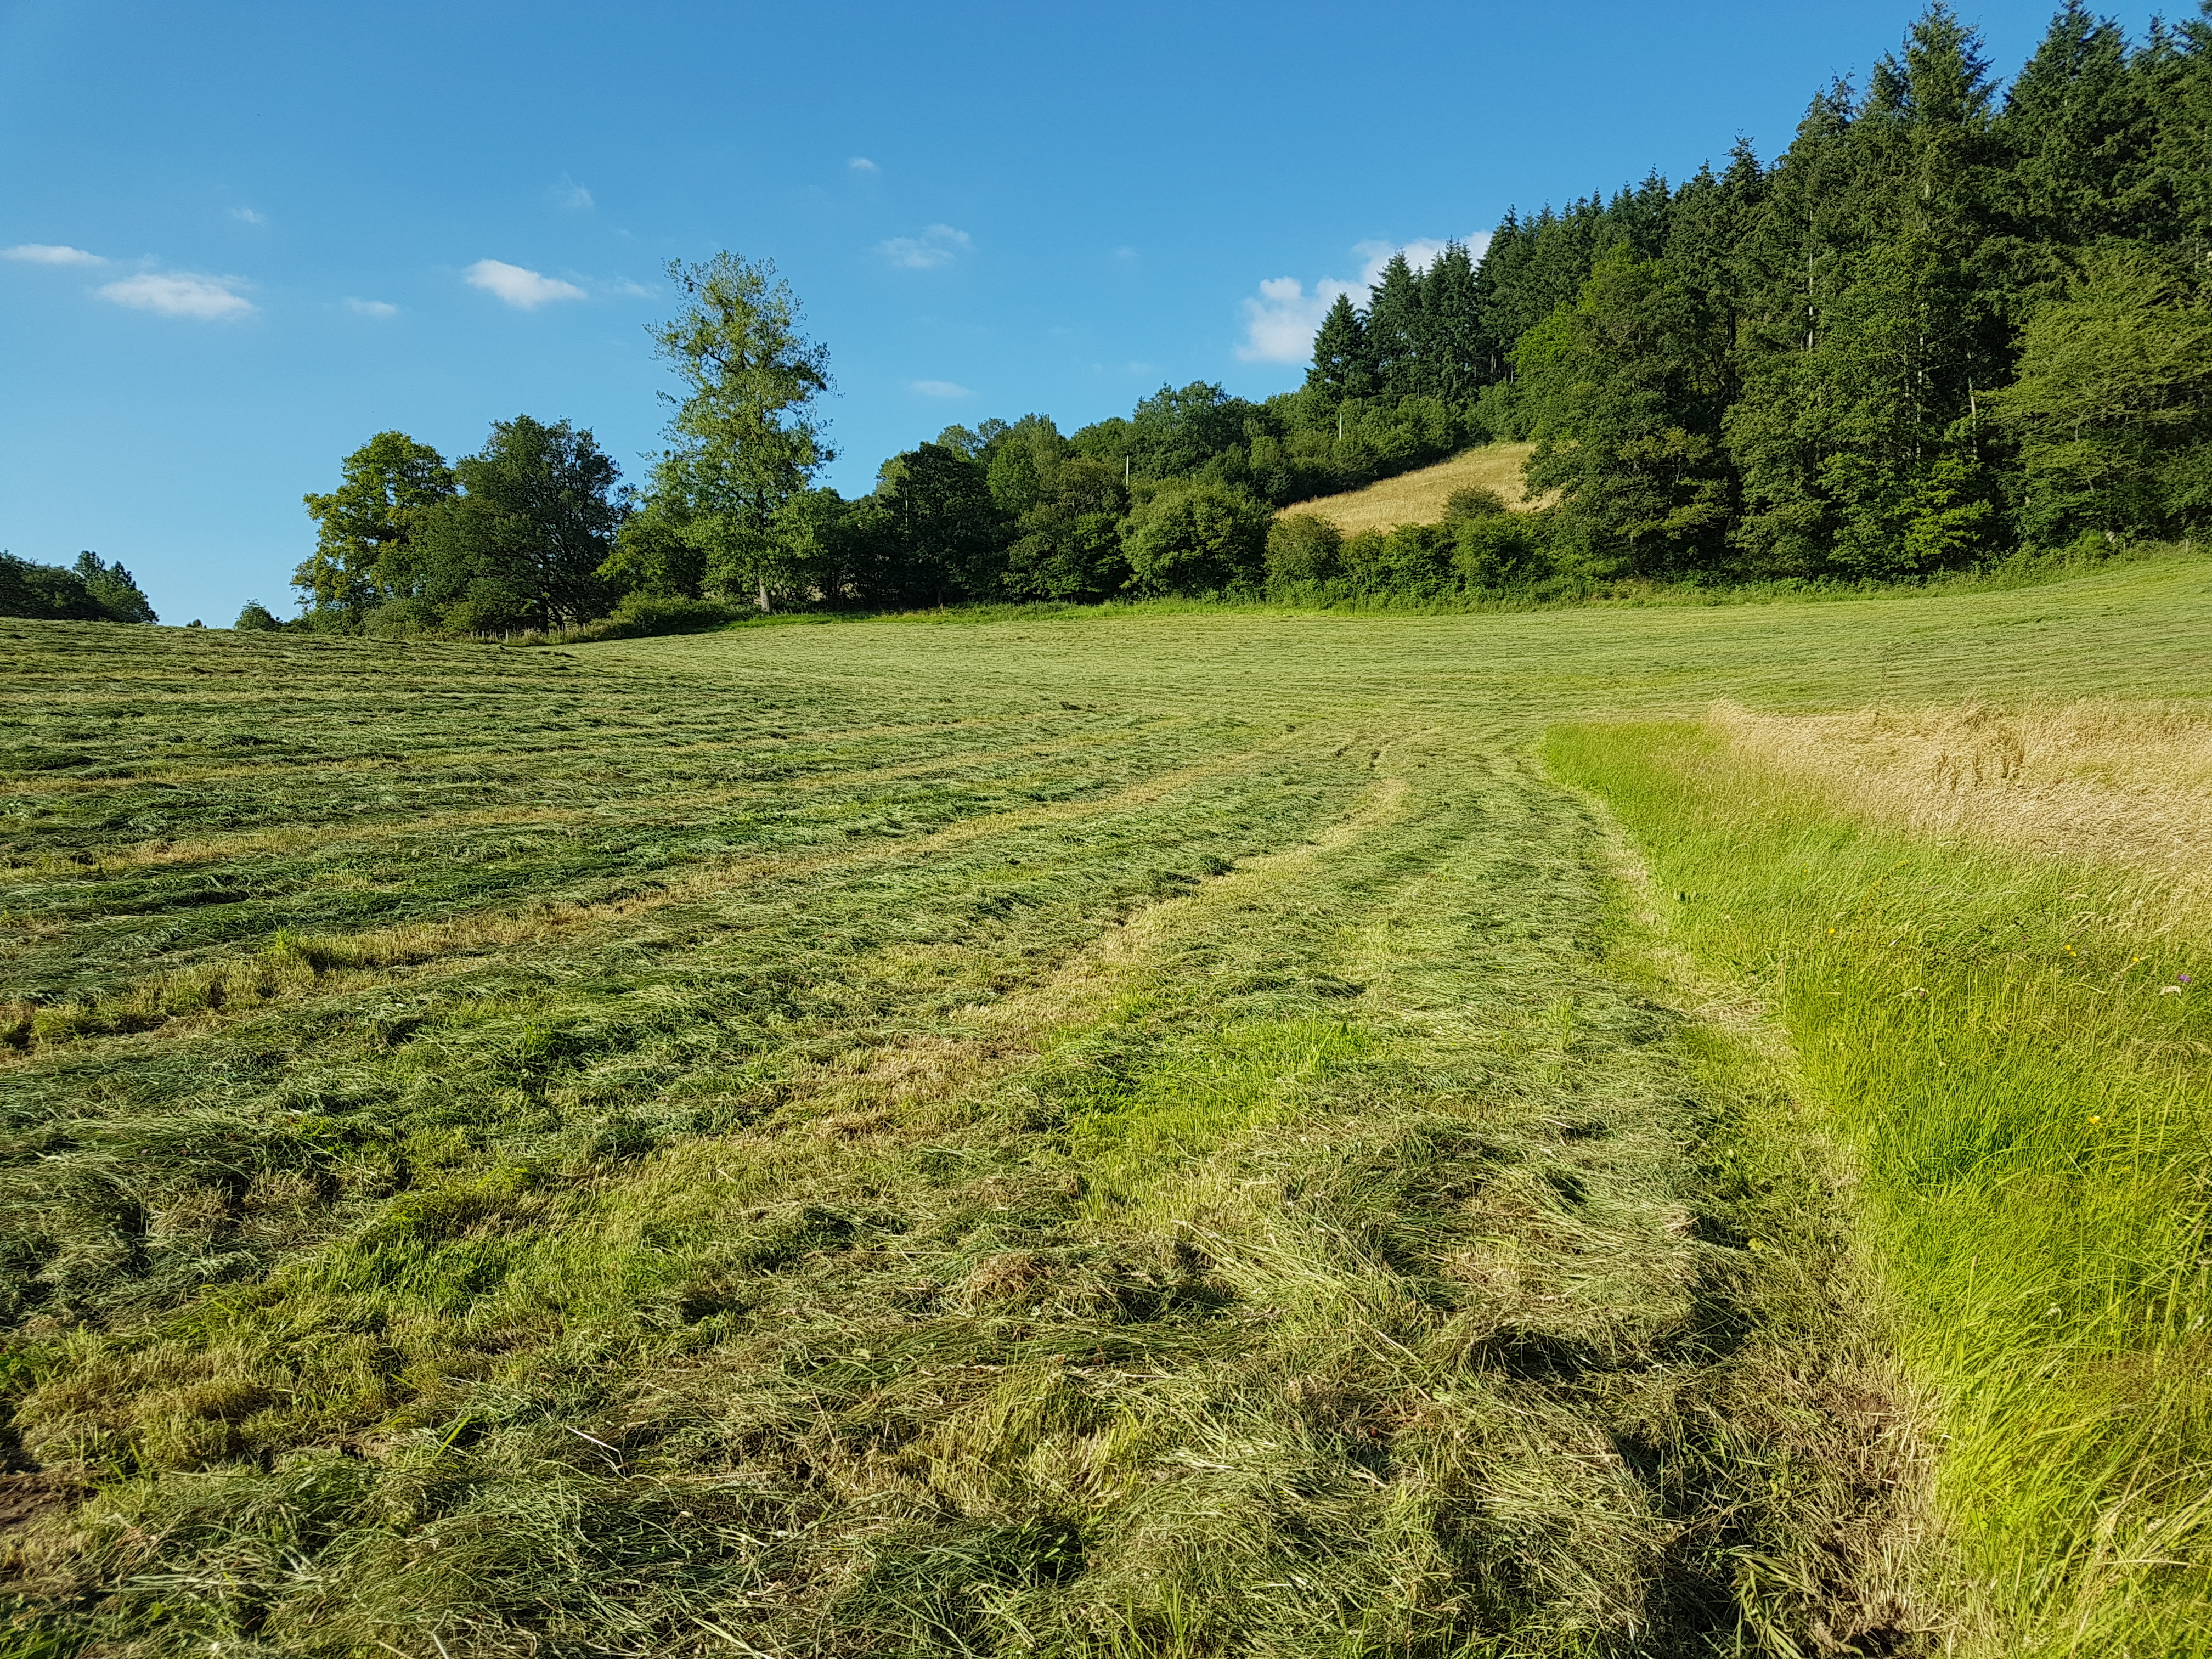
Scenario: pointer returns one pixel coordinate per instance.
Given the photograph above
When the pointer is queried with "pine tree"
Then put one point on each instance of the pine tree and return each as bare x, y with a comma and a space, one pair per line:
2081, 138
1452, 332
1393, 328
1342, 367
1498, 282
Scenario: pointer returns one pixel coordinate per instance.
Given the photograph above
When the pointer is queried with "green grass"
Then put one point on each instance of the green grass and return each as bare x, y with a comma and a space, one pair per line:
1997, 1039
1088, 1133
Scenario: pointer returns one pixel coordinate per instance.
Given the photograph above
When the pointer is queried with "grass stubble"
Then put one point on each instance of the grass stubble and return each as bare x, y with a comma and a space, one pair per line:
1172, 1138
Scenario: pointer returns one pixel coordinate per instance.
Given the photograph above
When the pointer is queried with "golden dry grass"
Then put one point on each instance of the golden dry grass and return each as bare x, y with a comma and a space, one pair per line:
2124, 783
1418, 497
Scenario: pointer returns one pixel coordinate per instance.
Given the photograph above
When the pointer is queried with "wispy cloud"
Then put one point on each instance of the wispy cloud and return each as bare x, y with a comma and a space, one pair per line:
572, 196
937, 245
941, 389
514, 285
51, 253
378, 308
862, 164
1280, 324
180, 293
246, 216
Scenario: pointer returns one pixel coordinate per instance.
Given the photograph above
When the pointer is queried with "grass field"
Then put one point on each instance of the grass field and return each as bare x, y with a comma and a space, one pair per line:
1112, 1134
1418, 497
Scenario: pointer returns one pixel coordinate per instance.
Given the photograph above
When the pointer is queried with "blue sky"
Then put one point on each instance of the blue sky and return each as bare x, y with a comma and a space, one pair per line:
301, 224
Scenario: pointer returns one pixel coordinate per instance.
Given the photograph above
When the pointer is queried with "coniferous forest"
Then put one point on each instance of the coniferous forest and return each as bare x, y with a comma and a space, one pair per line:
1958, 320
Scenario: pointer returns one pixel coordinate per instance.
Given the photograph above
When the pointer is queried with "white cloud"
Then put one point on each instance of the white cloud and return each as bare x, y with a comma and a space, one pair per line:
942, 389
939, 245
378, 308
571, 195
1280, 326
862, 164
51, 253
628, 288
248, 216
513, 285
179, 294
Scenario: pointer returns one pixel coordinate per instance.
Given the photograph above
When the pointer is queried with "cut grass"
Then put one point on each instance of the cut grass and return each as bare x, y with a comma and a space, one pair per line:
1099, 1134
1419, 496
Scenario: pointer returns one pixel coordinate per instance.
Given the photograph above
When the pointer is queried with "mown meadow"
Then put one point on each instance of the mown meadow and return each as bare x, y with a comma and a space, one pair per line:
1120, 1131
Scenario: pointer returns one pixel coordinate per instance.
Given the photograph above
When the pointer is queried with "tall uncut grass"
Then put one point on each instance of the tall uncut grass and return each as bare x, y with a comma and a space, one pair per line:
2018, 1049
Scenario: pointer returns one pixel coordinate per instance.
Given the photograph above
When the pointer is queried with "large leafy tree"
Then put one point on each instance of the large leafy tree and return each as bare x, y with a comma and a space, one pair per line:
523, 542
363, 528
1068, 509
935, 507
745, 437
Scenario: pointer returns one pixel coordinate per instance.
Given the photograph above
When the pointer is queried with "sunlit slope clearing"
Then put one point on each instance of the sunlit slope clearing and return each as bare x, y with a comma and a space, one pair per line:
1418, 497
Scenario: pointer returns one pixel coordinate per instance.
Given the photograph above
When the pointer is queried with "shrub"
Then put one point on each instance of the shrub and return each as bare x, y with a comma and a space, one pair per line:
1302, 547
1474, 502
256, 618
1504, 549
1199, 538
641, 616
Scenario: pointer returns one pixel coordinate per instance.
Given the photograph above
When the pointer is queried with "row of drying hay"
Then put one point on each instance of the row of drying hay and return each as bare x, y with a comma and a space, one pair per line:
1425, 496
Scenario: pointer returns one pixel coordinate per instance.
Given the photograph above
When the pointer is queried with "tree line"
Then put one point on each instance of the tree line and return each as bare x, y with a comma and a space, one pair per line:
90, 590
1949, 321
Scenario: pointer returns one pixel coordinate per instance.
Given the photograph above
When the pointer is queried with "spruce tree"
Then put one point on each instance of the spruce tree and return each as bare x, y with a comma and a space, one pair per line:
1342, 367
1393, 328
2081, 138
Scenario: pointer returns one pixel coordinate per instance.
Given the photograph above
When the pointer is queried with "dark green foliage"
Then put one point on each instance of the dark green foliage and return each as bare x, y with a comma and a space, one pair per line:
2112, 409
90, 590
1791, 371
1501, 552
1303, 549
1341, 366
522, 545
1198, 538
1624, 392
255, 617
949, 532
1472, 502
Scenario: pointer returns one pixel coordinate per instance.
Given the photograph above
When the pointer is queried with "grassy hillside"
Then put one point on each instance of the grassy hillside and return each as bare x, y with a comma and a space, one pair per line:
1113, 1133
1418, 497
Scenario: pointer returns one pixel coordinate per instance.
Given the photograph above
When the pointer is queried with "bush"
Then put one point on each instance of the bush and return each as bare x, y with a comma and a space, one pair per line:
1302, 547
403, 618
1198, 538
90, 591
1475, 501
1502, 549
641, 616
255, 618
